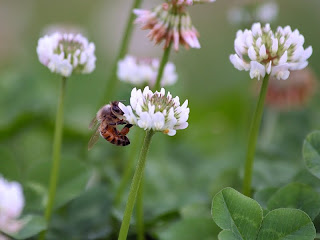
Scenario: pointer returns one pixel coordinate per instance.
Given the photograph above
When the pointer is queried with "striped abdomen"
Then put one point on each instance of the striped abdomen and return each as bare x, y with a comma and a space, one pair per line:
112, 135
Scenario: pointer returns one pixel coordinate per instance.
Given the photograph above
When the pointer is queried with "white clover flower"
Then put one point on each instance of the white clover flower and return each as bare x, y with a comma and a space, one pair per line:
262, 52
11, 206
156, 111
66, 53
142, 72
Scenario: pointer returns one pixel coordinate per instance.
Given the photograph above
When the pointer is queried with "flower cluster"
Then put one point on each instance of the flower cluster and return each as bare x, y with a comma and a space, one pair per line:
11, 206
294, 93
171, 23
156, 111
141, 72
265, 12
66, 53
262, 52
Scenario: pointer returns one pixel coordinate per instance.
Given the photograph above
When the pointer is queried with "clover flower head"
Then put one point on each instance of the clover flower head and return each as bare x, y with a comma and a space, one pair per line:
11, 206
292, 94
65, 53
143, 71
171, 23
261, 51
156, 111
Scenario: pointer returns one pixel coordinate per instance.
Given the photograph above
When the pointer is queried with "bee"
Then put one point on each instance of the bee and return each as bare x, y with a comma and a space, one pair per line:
106, 122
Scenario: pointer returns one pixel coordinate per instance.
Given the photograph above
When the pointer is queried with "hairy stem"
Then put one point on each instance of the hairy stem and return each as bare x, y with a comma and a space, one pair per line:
135, 186
140, 219
253, 136
164, 60
139, 211
57, 140
129, 167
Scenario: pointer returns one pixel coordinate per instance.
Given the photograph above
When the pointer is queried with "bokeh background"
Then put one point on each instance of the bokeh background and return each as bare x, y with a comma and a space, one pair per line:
183, 172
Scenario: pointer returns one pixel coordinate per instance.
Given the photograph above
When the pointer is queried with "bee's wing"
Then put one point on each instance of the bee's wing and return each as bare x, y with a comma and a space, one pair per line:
94, 139
94, 122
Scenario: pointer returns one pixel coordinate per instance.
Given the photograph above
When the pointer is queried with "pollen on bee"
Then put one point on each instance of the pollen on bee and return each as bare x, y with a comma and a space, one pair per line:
166, 131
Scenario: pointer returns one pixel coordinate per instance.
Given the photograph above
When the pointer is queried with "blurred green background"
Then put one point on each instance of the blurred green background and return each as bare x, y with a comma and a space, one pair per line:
183, 172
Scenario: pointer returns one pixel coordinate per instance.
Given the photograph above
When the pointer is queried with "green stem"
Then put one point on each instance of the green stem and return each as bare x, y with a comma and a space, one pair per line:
57, 140
253, 136
127, 175
135, 186
140, 220
164, 60
112, 80
139, 211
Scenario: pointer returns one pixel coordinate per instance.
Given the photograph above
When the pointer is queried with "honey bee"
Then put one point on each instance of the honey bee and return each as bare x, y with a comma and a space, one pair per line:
106, 121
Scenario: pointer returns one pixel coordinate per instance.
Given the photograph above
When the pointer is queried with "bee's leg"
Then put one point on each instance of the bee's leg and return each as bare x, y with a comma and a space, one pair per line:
124, 131
122, 122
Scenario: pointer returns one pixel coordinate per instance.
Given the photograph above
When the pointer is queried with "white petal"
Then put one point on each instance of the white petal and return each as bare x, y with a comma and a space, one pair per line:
257, 70
252, 53
158, 121
281, 71
275, 45
256, 29
268, 67
263, 52
284, 58
307, 53
145, 121
182, 126
239, 63
171, 132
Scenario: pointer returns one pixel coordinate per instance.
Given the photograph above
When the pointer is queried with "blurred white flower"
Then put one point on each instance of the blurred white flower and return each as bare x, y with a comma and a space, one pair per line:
265, 12
11, 206
156, 111
170, 22
66, 53
263, 52
238, 15
140, 72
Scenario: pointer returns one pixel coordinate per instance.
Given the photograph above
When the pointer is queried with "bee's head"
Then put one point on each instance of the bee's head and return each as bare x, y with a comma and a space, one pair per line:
115, 109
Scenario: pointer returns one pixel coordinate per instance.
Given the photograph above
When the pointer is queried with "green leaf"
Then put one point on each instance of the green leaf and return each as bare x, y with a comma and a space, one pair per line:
190, 229
296, 195
226, 235
311, 153
287, 224
272, 174
305, 177
87, 215
235, 212
33, 225
263, 196
71, 189
241, 219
